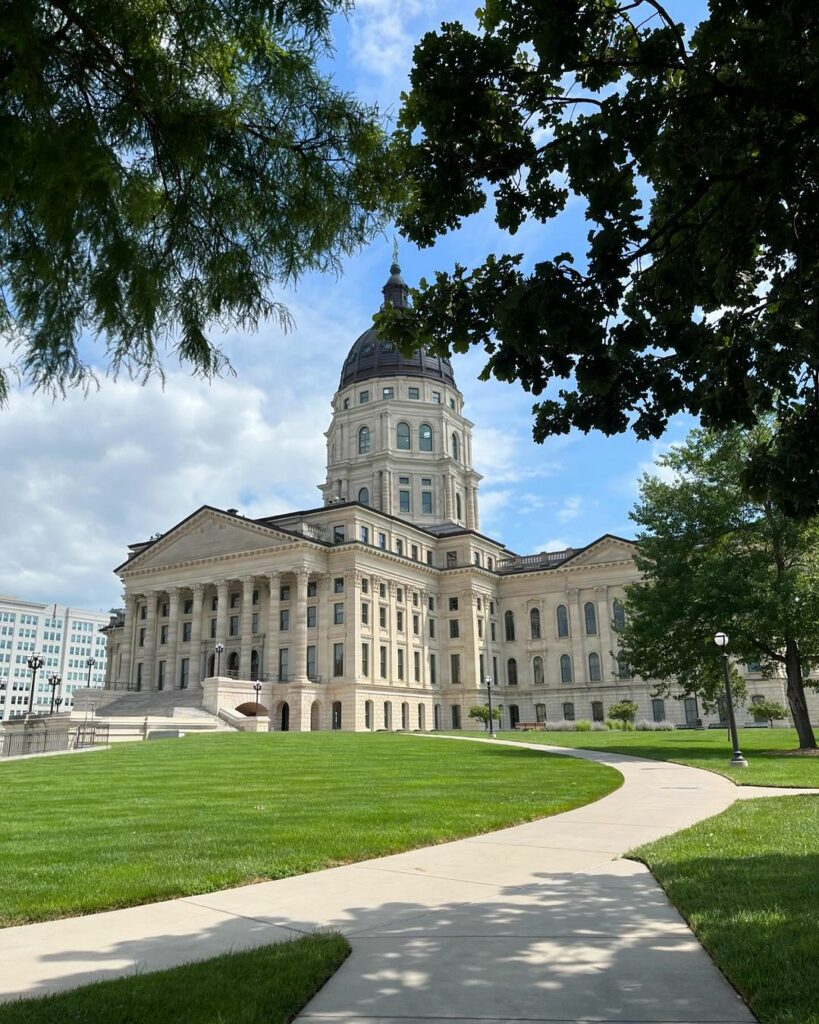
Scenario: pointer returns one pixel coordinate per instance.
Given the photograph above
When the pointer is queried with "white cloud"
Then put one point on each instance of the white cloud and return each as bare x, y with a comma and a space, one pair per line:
570, 509
553, 544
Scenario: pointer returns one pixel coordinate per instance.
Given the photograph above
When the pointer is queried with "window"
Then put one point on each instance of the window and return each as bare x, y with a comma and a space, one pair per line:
338, 585
455, 447
312, 588
365, 585
458, 508
187, 607
255, 597
399, 621
509, 624
405, 715
382, 541
234, 625
429, 556
590, 615
388, 393
433, 680
338, 613
425, 437
597, 710
620, 621
399, 547
403, 501
414, 552
453, 604
187, 629
213, 629
623, 667
383, 662
400, 666
382, 589
562, 620
492, 632
364, 441
382, 617
365, 535
413, 394
455, 669
368, 714
691, 711
284, 620
399, 594
284, 593
477, 558
454, 629
565, 668
143, 612
534, 623
235, 599
436, 397
364, 397
451, 559
387, 715
416, 666
346, 403
163, 634
480, 630
456, 717
311, 616
338, 535
365, 614
568, 712
335, 715
365, 659
284, 664
364, 496
540, 712
338, 659
658, 710
431, 603
311, 661
537, 670
403, 481
402, 437
512, 672
160, 678
432, 629
184, 673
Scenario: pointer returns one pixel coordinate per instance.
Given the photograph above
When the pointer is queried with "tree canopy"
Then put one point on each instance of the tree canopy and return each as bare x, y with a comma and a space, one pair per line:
696, 158
713, 560
164, 167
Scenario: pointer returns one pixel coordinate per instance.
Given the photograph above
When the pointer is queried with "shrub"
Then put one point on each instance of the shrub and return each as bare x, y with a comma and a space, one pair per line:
599, 727
582, 725
768, 711
624, 711
645, 726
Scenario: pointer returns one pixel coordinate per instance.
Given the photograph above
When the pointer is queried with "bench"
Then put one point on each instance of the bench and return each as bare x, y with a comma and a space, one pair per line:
529, 726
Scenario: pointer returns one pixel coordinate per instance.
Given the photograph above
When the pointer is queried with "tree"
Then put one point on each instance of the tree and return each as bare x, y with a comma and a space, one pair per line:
713, 559
624, 711
480, 712
697, 161
769, 711
164, 166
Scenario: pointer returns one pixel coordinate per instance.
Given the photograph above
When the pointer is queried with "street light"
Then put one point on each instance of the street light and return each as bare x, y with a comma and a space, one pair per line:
489, 696
737, 760
54, 681
35, 662
257, 686
57, 704
219, 648
90, 662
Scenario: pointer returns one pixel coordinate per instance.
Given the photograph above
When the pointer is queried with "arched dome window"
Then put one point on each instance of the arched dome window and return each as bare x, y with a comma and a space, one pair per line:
562, 620
512, 672
402, 436
367, 348
364, 441
565, 668
455, 448
509, 621
594, 667
425, 437
364, 496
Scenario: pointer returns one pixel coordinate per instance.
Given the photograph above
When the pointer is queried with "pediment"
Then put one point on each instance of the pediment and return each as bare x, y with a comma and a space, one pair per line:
207, 534
606, 549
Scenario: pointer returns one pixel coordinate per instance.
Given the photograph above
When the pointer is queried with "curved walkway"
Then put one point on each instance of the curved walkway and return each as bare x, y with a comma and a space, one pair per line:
539, 922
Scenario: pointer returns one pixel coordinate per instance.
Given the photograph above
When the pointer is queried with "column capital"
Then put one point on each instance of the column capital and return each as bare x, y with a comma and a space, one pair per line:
274, 575
601, 590
248, 581
302, 572
572, 593
221, 584
198, 589
173, 592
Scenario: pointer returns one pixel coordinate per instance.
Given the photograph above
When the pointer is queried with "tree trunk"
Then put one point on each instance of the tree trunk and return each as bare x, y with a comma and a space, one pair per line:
796, 696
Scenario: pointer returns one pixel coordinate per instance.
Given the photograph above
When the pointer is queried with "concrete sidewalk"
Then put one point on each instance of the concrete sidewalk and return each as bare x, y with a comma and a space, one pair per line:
540, 922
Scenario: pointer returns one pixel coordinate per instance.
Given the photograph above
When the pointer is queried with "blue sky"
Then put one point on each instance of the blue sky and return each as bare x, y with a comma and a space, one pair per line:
91, 474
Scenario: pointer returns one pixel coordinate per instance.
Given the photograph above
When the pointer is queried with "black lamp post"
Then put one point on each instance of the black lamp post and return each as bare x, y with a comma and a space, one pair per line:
219, 648
258, 688
489, 697
737, 760
35, 662
90, 663
58, 701
54, 681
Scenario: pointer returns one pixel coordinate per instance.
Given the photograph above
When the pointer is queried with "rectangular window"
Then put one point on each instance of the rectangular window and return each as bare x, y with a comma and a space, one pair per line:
142, 636
382, 589
338, 585
658, 710
454, 629
416, 624
403, 501
436, 397
284, 620
163, 634
187, 632
426, 502
365, 659
399, 621
432, 629
143, 612
451, 559
399, 594
365, 586
365, 535
431, 604
254, 623
365, 614
382, 541
312, 588
481, 668
453, 604
214, 604
399, 547
432, 671
492, 632
480, 629
213, 629
255, 597
382, 616
364, 397
338, 534
403, 481
389, 392
184, 673
187, 607
160, 678
284, 664
416, 666
234, 625
312, 616
429, 557
235, 599
426, 481
284, 593
311, 661
338, 613
383, 662
414, 393
414, 552
477, 558
455, 669
400, 653
495, 670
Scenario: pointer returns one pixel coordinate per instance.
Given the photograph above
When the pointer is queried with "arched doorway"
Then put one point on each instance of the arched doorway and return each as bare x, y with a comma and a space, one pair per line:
436, 717
315, 716
233, 664
514, 715
336, 714
387, 714
254, 664
368, 714
211, 666
284, 717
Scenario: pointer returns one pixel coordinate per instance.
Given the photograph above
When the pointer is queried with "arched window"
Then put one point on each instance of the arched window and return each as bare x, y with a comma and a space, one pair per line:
455, 447
562, 620
534, 621
364, 496
540, 712
425, 437
590, 613
594, 667
658, 710
568, 712
512, 672
458, 508
619, 615
509, 622
368, 714
623, 667
402, 436
364, 441
537, 670
565, 668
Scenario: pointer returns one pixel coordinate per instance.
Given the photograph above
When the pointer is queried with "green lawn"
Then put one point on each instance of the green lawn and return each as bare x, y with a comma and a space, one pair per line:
746, 881
150, 821
709, 748
269, 985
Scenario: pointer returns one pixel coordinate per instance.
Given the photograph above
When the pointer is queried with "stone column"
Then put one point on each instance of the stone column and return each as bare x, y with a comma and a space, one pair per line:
271, 643
173, 637
424, 639
352, 630
127, 642
149, 650
245, 627
604, 616
579, 671
195, 677
299, 627
392, 619
447, 498
221, 614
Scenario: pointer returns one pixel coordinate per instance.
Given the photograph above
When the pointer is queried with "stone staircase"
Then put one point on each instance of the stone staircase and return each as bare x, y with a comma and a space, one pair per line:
160, 703
136, 715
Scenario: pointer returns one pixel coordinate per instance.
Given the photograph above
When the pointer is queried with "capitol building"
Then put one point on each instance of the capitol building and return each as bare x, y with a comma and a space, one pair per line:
386, 607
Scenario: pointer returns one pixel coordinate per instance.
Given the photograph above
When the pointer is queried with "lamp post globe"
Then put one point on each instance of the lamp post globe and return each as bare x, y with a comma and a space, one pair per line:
219, 649
257, 687
489, 699
90, 663
35, 662
737, 760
